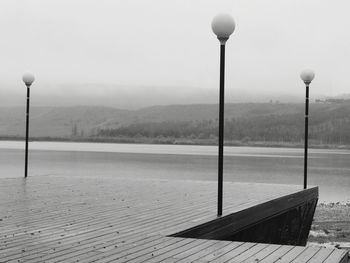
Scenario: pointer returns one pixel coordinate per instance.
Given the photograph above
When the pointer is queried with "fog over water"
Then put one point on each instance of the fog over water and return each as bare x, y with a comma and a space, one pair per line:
139, 53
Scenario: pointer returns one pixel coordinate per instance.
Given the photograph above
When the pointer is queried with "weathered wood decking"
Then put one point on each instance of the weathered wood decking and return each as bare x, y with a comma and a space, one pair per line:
55, 219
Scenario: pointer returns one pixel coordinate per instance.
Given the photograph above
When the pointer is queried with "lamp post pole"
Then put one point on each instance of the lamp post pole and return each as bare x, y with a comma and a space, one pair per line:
28, 79
221, 128
307, 76
27, 133
306, 134
223, 26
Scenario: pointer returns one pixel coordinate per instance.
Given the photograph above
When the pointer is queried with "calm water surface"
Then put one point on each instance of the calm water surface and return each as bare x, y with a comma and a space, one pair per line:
329, 169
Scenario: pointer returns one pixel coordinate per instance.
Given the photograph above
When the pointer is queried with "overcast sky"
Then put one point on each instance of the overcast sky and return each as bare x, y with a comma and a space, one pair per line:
101, 48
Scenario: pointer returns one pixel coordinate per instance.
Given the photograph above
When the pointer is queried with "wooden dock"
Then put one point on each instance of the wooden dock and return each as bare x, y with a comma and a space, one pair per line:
85, 219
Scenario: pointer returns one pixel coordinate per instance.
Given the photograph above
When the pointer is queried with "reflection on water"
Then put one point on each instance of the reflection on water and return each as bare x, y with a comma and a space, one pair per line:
330, 169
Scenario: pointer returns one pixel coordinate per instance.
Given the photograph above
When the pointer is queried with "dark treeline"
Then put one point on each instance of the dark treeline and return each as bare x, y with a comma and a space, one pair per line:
325, 127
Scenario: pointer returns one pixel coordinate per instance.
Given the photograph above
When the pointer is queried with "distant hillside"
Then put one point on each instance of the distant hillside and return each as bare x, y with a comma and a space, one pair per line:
211, 111
329, 123
61, 121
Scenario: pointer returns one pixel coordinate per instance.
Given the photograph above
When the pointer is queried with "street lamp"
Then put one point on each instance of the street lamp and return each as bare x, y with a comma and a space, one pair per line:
307, 76
28, 79
223, 26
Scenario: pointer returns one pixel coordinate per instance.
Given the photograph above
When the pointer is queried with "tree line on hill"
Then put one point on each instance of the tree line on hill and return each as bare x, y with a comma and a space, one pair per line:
325, 127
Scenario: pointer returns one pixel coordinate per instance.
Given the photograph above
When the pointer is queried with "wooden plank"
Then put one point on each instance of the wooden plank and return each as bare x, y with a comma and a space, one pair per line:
337, 255
291, 255
248, 253
204, 252
219, 252
234, 253
260, 255
179, 243
306, 255
168, 256
191, 254
321, 255
277, 254
137, 251
112, 252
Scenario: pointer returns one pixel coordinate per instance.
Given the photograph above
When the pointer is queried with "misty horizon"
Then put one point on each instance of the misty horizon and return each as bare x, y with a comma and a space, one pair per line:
135, 97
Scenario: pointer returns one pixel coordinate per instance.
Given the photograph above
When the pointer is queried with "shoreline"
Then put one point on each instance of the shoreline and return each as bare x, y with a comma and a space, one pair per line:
176, 141
331, 226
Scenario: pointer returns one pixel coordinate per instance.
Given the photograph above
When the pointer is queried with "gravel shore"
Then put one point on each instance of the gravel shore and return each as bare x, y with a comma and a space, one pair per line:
331, 225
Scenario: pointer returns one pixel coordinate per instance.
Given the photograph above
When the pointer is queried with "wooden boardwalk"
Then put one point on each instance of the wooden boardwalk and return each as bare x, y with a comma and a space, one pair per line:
82, 219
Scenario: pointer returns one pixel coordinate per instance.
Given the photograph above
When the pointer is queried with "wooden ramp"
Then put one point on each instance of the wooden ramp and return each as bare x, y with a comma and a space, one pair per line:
82, 219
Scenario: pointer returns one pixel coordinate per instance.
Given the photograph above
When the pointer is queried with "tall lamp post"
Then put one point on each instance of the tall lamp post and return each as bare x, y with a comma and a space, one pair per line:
307, 76
28, 79
223, 26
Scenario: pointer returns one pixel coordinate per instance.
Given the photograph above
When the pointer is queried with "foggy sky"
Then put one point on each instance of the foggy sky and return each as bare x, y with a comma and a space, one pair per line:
96, 49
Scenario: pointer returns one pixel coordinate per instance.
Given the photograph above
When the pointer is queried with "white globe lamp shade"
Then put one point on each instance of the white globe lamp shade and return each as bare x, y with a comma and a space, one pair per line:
28, 78
307, 75
223, 26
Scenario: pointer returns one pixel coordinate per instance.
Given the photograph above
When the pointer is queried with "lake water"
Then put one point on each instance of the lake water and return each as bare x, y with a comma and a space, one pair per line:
329, 169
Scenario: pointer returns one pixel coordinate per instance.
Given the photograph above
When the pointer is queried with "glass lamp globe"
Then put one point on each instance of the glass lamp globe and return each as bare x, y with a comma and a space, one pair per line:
223, 26
307, 75
28, 78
